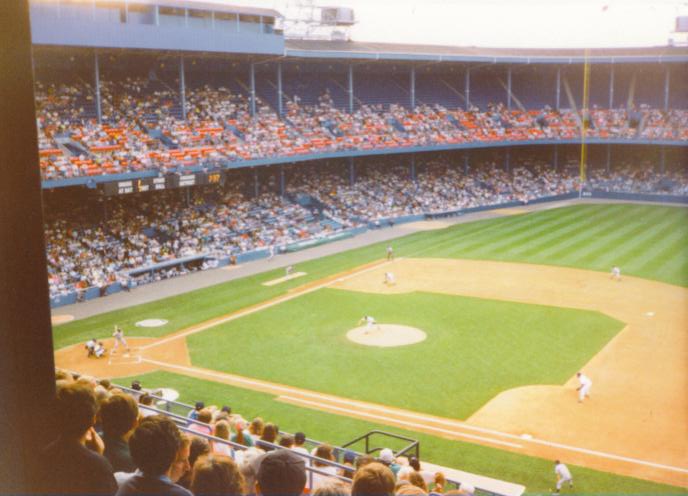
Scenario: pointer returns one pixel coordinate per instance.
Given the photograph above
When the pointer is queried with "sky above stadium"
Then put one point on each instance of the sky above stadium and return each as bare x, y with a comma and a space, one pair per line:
505, 23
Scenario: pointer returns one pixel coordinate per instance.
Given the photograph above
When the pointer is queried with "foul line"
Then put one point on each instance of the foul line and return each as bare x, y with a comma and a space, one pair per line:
268, 304
287, 389
398, 421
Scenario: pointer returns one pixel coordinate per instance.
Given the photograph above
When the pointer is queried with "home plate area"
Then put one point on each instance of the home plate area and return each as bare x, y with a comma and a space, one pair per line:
120, 357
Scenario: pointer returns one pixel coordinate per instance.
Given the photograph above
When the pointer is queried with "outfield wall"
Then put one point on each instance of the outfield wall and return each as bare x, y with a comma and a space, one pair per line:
263, 253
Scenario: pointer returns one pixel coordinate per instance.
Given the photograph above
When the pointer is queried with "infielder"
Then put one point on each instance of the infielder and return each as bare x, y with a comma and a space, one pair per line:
119, 339
390, 253
369, 322
616, 273
563, 475
390, 280
584, 388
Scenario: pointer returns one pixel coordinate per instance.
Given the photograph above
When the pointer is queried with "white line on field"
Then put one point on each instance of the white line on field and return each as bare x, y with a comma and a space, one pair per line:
397, 421
249, 311
423, 420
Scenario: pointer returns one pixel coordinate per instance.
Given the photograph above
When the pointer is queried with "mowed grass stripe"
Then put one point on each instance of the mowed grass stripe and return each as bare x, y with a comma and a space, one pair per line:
635, 253
534, 242
520, 225
589, 234
534, 247
674, 270
623, 239
524, 232
669, 249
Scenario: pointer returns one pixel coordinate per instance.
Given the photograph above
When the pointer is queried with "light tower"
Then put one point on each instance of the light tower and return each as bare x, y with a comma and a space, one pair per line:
304, 20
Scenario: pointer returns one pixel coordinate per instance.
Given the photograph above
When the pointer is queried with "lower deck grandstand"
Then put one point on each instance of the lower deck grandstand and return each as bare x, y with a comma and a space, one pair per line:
95, 241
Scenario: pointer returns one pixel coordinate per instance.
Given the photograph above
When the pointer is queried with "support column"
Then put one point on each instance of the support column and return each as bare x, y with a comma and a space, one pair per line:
27, 374
351, 88
182, 86
466, 161
280, 111
609, 158
252, 84
507, 160
96, 82
558, 101
188, 196
283, 181
467, 88
508, 88
555, 159
412, 86
256, 186
667, 75
352, 172
611, 88
413, 167
662, 160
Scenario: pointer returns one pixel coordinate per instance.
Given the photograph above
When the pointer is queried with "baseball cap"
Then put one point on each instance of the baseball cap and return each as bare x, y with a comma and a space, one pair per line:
386, 455
200, 405
281, 472
299, 437
349, 456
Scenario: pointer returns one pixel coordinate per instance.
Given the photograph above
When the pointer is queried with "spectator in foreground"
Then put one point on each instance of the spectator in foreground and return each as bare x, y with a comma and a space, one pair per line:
281, 473
299, 442
199, 447
373, 479
74, 463
119, 415
217, 475
155, 447
333, 487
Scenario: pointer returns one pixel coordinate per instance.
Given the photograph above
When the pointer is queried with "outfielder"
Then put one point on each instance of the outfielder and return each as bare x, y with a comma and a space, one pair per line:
616, 273
563, 475
119, 339
584, 388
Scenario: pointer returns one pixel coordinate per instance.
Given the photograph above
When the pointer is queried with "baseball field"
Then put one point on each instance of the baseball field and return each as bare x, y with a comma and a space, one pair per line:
505, 311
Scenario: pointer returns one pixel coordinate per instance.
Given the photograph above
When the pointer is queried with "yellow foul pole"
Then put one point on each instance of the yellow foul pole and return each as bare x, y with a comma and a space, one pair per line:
585, 116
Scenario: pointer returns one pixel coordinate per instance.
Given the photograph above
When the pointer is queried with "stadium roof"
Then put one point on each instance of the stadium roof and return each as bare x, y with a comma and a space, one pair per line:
437, 53
215, 7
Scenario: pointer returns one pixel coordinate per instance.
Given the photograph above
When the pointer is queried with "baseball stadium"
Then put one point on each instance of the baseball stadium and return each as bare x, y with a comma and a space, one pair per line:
463, 264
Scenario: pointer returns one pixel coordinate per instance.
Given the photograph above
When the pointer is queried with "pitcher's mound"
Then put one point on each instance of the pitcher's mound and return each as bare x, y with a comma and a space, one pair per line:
386, 335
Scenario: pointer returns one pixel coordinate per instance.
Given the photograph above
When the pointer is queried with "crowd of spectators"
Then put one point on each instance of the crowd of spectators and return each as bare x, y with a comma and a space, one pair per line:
142, 127
626, 178
85, 250
112, 441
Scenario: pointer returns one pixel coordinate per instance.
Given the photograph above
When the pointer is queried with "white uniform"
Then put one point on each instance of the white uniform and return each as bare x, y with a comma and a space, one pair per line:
271, 252
91, 346
616, 273
563, 475
119, 339
99, 350
585, 385
390, 279
369, 322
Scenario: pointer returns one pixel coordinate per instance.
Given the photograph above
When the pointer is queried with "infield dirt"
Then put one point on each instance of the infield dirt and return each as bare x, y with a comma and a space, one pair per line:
636, 422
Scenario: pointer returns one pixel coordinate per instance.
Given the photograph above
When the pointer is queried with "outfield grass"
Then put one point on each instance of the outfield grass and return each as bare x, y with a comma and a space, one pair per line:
644, 240
475, 348
535, 473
